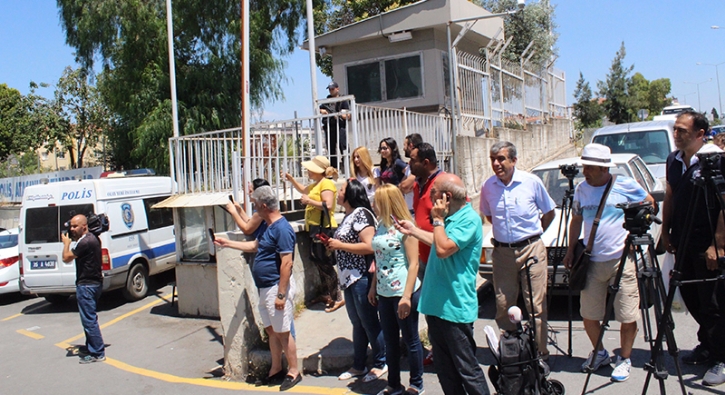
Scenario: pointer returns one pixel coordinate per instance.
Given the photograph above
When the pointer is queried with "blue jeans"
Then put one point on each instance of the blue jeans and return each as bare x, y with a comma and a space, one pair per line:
365, 325
454, 351
392, 325
87, 296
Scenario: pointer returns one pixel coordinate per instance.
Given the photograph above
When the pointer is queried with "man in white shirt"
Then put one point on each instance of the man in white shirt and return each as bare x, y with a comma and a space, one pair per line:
512, 201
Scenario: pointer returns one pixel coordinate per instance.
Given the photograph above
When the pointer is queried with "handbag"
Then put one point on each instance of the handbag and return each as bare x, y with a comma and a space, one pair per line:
582, 255
318, 251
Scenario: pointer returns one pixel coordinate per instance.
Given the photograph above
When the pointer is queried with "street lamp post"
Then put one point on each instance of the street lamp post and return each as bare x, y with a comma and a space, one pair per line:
699, 106
453, 62
717, 75
684, 95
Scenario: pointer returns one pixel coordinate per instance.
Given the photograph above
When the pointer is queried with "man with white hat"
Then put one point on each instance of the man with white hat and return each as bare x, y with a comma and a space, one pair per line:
609, 241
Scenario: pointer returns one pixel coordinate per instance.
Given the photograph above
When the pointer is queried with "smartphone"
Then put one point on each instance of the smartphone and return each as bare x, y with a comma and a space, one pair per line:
211, 233
231, 198
322, 237
395, 220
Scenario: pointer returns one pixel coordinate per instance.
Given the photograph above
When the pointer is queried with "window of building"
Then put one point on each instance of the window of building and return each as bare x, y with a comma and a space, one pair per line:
386, 79
61, 153
44, 155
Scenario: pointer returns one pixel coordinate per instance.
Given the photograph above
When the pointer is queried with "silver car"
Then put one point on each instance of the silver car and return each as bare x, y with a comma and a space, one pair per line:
556, 184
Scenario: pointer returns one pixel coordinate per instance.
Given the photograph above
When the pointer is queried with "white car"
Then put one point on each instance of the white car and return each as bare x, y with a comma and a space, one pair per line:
556, 184
9, 270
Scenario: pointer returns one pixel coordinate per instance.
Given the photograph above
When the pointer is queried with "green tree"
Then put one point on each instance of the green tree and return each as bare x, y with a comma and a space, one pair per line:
614, 89
534, 23
658, 91
638, 90
25, 120
130, 39
587, 111
84, 115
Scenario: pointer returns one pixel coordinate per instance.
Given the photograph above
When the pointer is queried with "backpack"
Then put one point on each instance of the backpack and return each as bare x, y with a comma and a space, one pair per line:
517, 364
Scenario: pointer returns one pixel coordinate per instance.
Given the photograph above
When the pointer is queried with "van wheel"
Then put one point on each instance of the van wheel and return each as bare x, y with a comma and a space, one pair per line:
137, 283
57, 299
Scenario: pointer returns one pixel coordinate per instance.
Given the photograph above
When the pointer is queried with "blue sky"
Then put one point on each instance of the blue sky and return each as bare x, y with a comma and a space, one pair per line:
663, 39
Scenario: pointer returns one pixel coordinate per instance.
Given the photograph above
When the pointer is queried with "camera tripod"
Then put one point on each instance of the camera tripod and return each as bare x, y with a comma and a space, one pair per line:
710, 180
562, 243
652, 293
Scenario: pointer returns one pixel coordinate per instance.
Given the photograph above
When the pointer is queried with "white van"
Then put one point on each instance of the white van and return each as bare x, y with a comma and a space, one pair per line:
652, 141
140, 241
670, 113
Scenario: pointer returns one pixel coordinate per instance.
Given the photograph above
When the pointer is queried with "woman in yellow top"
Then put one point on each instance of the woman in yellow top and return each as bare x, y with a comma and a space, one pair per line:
322, 189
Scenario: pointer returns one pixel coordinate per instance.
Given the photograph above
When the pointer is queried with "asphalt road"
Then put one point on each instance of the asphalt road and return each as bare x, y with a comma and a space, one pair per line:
151, 350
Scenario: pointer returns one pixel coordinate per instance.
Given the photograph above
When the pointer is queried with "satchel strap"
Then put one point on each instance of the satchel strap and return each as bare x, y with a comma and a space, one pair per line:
602, 203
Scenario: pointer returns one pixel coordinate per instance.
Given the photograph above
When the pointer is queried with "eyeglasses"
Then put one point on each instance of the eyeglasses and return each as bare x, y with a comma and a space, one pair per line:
383, 149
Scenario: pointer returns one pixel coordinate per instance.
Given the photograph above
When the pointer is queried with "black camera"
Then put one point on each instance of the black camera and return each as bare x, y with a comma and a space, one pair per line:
569, 171
638, 216
97, 223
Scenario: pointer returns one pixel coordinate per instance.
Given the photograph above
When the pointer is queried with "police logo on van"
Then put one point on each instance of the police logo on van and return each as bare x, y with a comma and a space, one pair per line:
127, 215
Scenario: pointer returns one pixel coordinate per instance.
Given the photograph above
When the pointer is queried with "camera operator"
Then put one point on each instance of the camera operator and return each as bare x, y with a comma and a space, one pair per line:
89, 284
609, 244
511, 201
705, 301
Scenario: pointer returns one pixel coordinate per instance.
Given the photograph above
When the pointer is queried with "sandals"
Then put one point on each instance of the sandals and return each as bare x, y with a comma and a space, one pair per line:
352, 373
372, 375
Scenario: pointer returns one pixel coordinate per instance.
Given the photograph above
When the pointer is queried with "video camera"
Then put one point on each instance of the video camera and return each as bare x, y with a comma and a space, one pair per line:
97, 223
569, 171
638, 216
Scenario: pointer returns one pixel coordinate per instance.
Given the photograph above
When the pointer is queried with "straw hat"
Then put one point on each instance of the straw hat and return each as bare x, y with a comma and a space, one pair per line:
318, 164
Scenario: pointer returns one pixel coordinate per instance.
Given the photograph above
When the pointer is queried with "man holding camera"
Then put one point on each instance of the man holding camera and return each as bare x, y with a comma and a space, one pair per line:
448, 295
705, 301
608, 247
89, 284
511, 201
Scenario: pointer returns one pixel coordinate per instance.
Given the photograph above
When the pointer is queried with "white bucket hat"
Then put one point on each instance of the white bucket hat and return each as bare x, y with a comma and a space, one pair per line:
596, 155
318, 164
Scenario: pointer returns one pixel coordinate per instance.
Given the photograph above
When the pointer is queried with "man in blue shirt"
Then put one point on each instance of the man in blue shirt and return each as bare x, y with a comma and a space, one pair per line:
448, 295
272, 273
609, 240
511, 200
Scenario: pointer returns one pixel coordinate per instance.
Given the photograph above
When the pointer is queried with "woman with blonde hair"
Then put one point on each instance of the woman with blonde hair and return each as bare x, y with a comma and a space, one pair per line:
322, 191
362, 170
396, 289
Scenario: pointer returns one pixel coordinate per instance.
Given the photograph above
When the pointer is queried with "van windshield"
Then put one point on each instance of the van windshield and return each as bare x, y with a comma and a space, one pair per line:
652, 145
45, 224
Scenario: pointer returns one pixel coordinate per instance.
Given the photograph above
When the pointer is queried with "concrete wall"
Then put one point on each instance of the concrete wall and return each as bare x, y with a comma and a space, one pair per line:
200, 296
535, 145
238, 299
9, 216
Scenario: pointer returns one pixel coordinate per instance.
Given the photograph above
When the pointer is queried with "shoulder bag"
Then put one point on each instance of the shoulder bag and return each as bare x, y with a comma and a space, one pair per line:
582, 255
318, 233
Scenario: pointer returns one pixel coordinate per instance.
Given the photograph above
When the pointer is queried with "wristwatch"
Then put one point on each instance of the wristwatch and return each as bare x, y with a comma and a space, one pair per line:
281, 296
438, 223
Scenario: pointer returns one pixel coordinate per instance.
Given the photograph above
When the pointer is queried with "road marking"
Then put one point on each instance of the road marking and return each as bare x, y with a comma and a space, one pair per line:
232, 385
202, 382
25, 312
67, 343
30, 334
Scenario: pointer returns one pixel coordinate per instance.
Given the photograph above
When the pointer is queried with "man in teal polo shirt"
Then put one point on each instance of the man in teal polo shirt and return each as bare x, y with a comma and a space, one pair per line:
448, 296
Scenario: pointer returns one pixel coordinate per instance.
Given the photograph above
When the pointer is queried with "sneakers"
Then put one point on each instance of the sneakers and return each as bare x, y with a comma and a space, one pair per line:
90, 359
602, 358
698, 356
413, 390
716, 375
621, 369
392, 391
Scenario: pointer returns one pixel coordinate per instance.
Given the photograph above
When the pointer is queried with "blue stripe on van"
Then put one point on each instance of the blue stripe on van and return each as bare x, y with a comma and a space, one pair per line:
150, 253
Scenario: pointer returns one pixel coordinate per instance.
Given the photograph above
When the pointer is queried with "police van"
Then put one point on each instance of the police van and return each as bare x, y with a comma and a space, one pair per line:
139, 242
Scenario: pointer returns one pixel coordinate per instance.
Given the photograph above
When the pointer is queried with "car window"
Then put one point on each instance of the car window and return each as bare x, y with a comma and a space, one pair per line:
44, 224
637, 174
7, 241
557, 184
646, 174
652, 146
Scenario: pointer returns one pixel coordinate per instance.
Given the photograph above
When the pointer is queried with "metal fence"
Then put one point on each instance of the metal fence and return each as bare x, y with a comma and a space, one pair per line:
213, 161
500, 93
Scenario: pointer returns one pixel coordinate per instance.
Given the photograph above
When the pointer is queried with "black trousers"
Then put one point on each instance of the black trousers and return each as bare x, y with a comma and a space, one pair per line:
454, 357
336, 144
706, 303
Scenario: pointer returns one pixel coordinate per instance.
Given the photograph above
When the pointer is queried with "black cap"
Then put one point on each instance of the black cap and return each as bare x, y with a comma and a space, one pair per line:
333, 84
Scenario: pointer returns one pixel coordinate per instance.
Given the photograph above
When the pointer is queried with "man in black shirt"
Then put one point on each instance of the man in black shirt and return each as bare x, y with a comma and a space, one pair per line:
89, 283
705, 301
335, 126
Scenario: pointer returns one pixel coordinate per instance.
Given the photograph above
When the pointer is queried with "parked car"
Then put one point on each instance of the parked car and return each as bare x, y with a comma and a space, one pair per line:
556, 184
670, 113
653, 141
9, 270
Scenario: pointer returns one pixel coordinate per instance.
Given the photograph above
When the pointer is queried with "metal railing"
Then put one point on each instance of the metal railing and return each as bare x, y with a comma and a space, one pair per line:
212, 161
500, 93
